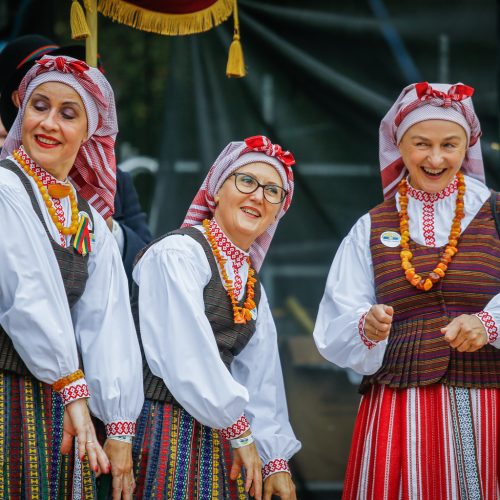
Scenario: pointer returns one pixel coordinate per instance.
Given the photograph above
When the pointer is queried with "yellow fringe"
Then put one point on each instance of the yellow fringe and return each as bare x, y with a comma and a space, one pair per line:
235, 61
79, 27
166, 24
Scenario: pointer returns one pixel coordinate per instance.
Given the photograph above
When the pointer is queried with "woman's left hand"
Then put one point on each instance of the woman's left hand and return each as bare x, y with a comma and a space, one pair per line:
465, 333
120, 456
279, 484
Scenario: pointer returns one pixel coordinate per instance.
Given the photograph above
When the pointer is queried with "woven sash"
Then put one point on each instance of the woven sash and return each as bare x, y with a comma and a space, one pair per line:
417, 353
73, 267
231, 338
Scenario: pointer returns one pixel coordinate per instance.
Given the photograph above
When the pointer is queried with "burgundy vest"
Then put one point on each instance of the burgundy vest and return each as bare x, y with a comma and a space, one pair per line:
417, 353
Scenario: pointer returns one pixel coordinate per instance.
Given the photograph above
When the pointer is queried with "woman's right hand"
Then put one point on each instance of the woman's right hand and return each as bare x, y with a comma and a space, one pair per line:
378, 322
77, 423
248, 457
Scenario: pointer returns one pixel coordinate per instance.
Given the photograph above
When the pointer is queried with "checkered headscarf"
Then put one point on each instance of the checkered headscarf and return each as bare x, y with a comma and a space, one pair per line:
94, 171
419, 102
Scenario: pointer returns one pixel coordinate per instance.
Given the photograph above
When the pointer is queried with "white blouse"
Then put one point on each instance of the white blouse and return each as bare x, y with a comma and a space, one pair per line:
180, 348
34, 309
350, 289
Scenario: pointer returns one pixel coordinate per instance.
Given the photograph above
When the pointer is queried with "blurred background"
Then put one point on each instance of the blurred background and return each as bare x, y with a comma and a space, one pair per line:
321, 74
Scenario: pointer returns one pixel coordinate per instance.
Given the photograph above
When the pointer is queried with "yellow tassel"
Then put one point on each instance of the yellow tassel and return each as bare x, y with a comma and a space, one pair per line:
235, 62
79, 27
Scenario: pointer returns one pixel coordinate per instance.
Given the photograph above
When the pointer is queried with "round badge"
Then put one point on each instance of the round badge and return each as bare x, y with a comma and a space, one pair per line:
390, 239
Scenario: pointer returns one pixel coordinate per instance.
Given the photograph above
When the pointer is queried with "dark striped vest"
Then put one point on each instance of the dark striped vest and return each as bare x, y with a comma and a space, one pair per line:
417, 353
73, 267
231, 338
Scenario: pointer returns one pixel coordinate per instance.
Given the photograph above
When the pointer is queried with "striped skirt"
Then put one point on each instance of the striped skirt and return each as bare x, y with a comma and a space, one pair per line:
176, 457
31, 465
426, 443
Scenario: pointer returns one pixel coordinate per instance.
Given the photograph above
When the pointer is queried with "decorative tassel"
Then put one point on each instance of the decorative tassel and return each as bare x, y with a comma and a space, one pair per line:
79, 27
235, 62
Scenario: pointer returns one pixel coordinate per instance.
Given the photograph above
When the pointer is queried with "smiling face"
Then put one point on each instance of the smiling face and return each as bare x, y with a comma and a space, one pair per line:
244, 217
54, 127
433, 152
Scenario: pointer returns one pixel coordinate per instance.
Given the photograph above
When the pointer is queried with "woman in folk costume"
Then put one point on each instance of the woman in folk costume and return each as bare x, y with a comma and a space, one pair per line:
214, 379
413, 303
63, 292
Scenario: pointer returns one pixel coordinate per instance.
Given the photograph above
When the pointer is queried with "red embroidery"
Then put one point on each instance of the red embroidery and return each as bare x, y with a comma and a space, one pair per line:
237, 429
428, 224
120, 428
433, 197
46, 179
489, 324
236, 256
361, 330
73, 392
277, 465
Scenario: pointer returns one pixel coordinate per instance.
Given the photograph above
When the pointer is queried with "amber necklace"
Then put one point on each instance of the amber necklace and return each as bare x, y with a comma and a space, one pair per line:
240, 314
439, 272
58, 191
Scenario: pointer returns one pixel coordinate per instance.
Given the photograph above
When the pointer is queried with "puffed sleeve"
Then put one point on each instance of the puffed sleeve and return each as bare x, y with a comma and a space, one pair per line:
107, 339
349, 294
33, 305
258, 368
178, 340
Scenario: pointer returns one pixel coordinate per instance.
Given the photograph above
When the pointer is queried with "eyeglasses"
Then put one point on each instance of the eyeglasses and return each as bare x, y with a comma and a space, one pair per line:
245, 183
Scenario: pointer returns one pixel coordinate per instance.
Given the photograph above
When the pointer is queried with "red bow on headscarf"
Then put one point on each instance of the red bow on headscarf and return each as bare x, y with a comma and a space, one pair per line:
455, 93
64, 66
262, 144
78, 69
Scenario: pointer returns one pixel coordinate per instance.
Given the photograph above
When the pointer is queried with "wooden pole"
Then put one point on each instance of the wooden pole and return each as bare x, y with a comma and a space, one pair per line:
91, 41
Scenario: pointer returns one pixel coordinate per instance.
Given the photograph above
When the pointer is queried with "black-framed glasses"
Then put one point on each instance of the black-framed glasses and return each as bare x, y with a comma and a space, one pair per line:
246, 183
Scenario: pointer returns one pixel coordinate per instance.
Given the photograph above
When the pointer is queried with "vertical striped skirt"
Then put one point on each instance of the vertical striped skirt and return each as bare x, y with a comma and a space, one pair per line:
426, 443
175, 457
31, 465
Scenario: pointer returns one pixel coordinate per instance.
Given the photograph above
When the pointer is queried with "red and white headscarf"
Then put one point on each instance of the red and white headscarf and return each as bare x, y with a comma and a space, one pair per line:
236, 154
94, 170
419, 102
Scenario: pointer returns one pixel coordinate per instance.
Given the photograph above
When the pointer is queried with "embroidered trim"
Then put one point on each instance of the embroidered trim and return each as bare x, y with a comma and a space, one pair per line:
277, 465
74, 391
433, 197
46, 179
428, 224
489, 325
120, 428
361, 330
235, 255
237, 429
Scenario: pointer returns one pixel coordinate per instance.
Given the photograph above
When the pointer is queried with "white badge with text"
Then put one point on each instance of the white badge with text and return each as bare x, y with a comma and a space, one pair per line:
390, 238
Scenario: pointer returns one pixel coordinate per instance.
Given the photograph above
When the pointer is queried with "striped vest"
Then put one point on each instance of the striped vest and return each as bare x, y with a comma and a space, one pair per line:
73, 267
231, 338
417, 353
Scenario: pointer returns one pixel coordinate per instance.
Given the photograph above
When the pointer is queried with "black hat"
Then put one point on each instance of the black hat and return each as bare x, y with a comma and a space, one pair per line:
17, 57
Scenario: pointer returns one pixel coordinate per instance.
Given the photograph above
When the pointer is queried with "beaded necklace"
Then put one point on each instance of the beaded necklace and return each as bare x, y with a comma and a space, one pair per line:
406, 255
58, 191
241, 315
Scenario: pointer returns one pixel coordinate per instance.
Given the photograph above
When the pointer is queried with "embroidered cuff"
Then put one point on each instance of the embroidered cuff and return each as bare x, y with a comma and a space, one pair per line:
273, 466
75, 390
361, 330
120, 428
489, 325
237, 429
